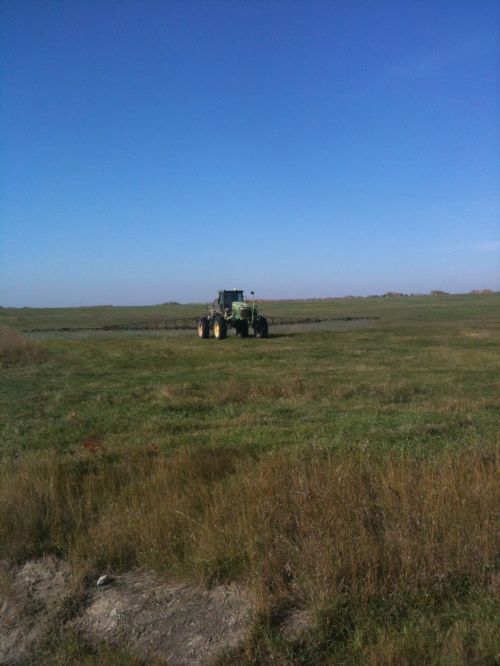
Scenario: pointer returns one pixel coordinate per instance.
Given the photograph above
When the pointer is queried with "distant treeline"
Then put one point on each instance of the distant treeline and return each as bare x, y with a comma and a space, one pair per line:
388, 294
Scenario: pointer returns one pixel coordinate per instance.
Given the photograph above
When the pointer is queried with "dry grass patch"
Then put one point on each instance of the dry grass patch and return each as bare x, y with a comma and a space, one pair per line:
291, 388
15, 349
477, 335
321, 528
233, 392
386, 392
307, 527
366, 544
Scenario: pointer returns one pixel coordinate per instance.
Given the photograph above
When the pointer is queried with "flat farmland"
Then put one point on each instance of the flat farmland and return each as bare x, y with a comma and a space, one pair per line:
343, 473
403, 309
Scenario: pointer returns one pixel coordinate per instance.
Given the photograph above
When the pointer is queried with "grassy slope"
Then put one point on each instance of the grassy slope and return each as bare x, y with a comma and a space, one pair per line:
347, 473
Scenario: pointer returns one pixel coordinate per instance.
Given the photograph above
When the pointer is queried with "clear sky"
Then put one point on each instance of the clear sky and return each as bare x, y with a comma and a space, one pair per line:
158, 150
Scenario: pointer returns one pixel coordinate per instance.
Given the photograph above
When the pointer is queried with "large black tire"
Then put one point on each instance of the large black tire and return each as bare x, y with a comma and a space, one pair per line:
203, 328
262, 328
220, 328
243, 328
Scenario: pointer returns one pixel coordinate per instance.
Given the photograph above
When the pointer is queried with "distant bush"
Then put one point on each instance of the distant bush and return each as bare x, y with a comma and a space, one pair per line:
16, 349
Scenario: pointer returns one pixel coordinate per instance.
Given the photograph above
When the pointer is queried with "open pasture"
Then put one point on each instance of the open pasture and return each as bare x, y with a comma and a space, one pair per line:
347, 474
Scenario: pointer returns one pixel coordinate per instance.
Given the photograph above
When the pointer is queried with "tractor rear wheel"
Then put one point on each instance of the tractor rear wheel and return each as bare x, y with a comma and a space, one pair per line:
202, 327
244, 328
262, 329
220, 328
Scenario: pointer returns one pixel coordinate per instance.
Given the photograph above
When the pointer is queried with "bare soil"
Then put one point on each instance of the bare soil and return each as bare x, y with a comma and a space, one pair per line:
180, 624
30, 597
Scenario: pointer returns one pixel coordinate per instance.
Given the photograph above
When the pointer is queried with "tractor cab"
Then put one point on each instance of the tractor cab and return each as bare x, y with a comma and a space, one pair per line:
226, 299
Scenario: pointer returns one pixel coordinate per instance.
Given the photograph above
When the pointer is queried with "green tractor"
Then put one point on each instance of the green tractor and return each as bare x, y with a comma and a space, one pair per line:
230, 310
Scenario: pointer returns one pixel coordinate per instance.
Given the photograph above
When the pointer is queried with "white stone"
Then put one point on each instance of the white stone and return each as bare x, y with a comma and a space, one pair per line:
104, 580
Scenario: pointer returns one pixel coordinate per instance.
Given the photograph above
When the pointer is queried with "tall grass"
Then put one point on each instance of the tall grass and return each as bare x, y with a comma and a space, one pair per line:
392, 557
389, 554
15, 349
308, 527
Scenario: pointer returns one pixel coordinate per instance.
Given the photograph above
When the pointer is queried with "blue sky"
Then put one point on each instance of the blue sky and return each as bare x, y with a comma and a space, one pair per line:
159, 150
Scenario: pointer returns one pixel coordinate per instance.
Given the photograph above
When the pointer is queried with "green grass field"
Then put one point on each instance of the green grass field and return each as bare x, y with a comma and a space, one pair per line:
349, 472
452, 307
